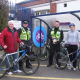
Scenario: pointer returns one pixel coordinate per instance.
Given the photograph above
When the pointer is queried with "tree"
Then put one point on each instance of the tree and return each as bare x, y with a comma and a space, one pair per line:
3, 14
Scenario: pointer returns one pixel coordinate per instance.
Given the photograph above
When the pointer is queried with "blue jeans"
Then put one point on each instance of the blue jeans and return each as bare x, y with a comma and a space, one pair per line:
15, 56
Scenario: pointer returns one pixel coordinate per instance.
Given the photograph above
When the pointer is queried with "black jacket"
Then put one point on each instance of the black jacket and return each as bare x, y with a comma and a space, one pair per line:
55, 30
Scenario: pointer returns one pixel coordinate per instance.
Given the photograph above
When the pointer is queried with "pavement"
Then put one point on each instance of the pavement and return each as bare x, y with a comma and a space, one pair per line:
46, 73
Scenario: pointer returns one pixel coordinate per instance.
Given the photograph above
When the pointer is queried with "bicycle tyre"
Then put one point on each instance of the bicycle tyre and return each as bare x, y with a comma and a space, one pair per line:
3, 68
59, 60
79, 65
34, 62
42, 56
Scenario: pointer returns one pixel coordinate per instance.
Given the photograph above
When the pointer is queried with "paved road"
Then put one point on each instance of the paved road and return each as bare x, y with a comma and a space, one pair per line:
46, 73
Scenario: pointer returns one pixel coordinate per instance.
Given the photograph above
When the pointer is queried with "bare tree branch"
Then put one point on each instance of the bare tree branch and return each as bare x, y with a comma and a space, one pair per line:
3, 14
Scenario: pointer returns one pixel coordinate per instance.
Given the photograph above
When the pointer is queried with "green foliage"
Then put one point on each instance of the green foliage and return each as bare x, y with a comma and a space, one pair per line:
3, 14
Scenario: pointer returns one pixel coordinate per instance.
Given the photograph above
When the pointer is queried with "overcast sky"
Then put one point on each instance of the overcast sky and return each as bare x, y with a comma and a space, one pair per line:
17, 1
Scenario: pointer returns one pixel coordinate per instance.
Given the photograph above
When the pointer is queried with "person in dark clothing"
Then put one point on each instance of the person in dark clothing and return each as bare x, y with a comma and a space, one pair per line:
25, 35
56, 36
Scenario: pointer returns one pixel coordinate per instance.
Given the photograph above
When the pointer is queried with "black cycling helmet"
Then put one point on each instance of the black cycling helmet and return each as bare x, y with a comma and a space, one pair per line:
72, 24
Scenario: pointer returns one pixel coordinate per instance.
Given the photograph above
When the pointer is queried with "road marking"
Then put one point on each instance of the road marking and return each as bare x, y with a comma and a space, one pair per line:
42, 65
46, 78
40, 78
51, 66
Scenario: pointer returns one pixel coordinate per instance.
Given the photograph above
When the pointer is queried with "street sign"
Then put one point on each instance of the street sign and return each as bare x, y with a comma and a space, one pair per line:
17, 24
36, 36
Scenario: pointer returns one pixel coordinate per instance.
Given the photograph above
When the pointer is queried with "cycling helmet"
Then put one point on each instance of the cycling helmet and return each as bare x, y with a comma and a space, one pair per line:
72, 24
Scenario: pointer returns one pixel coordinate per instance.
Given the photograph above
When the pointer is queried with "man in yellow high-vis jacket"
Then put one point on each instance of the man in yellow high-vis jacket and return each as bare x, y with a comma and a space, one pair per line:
56, 36
25, 36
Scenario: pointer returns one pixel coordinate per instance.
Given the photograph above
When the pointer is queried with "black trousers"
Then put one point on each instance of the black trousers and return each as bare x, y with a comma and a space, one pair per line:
27, 61
72, 48
53, 48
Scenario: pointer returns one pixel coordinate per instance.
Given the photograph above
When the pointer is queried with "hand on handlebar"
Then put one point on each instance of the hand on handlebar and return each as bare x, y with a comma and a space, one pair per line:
21, 43
5, 47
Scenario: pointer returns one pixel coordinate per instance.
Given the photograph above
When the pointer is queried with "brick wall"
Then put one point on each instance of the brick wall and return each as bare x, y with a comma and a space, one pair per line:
53, 5
53, 8
35, 3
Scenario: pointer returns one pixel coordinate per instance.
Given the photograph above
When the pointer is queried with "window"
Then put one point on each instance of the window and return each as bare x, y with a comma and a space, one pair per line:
37, 13
42, 12
48, 12
65, 5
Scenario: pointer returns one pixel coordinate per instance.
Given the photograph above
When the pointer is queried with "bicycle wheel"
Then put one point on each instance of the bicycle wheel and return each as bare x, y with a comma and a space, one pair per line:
3, 68
79, 65
34, 62
44, 53
60, 60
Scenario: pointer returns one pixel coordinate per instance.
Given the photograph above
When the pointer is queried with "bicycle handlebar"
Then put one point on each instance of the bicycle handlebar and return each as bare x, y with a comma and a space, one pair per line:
1, 48
25, 45
44, 42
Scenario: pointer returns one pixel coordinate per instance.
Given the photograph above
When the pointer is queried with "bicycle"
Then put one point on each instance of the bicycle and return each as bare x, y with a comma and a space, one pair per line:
61, 60
43, 52
34, 63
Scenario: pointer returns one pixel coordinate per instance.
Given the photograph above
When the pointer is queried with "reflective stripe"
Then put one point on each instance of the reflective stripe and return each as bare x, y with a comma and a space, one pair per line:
57, 35
25, 35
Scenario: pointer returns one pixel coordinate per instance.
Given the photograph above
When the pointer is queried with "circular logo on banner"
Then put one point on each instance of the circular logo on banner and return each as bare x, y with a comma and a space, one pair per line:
37, 34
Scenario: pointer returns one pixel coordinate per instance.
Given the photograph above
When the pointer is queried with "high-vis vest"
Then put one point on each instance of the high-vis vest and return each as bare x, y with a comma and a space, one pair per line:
57, 35
25, 35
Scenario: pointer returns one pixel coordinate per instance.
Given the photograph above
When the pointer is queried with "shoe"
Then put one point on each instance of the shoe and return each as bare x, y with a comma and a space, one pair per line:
69, 68
29, 66
19, 71
57, 65
74, 68
9, 73
49, 65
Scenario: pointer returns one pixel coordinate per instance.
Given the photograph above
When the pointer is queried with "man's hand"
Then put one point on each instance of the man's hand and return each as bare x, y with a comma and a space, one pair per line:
21, 43
5, 47
53, 37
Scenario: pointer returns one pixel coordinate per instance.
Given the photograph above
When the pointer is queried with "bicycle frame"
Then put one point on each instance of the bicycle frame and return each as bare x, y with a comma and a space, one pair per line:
20, 58
73, 53
76, 56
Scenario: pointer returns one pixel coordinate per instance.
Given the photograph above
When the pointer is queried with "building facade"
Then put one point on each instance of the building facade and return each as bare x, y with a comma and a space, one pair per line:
41, 7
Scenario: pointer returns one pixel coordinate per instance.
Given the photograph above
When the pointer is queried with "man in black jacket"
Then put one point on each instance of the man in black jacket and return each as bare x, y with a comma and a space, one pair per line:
56, 36
25, 35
